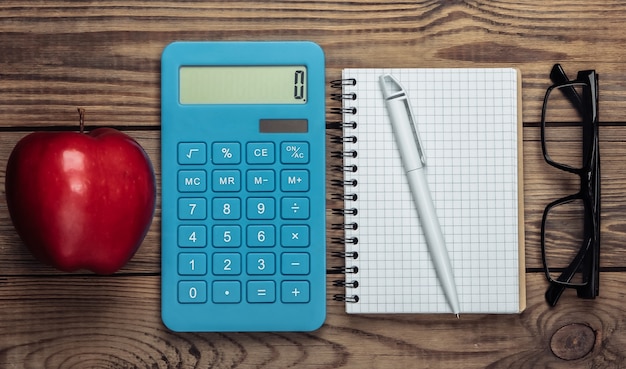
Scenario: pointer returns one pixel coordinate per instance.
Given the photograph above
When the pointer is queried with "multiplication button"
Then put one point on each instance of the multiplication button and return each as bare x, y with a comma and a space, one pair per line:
294, 235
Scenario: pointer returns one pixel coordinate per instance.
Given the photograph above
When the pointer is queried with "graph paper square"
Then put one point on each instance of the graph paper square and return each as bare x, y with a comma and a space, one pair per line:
469, 124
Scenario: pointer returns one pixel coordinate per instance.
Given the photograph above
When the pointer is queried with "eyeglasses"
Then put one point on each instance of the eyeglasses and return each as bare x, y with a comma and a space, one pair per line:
570, 227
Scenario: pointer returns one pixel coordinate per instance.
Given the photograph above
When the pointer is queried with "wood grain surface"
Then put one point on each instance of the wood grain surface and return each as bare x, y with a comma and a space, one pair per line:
104, 56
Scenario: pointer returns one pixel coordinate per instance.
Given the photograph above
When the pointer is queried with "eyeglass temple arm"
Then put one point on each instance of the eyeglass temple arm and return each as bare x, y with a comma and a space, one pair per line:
558, 76
587, 259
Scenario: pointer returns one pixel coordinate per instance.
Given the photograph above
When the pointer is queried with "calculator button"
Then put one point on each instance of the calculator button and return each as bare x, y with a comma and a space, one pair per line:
191, 153
260, 153
293, 263
226, 264
295, 207
294, 152
192, 264
260, 208
191, 181
192, 208
260, 180
261, 236
295, 292
226, 236
294, 235
192, 292
226, 292
261, 291
191, 236
261, 263
226, 208
226, 180
294, 180
226, 153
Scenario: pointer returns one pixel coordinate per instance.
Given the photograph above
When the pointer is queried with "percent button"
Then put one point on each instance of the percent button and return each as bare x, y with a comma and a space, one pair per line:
226, 153
294, 152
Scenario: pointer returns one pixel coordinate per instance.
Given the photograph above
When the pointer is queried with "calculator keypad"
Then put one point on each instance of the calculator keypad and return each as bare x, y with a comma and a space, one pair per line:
242, 211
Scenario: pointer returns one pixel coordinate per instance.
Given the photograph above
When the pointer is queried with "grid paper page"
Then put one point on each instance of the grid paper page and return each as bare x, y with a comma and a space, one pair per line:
467, 120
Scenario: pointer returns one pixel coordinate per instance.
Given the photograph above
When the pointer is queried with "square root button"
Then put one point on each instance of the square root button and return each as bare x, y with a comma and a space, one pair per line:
191, 153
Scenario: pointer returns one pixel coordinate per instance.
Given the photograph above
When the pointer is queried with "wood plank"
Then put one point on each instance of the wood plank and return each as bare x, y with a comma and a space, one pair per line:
86, 321
105, 57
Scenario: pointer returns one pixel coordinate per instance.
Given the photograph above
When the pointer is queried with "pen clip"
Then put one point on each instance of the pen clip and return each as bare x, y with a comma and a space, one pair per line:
392, 89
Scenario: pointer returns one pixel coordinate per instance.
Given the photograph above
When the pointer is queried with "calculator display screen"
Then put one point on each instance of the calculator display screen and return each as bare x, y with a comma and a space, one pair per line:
243, 84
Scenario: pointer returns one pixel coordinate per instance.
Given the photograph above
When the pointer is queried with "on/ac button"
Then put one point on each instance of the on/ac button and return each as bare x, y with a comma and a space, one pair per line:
294, 152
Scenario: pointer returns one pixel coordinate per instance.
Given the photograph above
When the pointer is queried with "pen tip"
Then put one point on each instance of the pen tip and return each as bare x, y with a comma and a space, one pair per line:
458, 316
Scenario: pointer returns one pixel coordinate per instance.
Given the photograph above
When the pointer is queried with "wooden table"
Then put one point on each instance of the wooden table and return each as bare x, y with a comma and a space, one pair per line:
104, 56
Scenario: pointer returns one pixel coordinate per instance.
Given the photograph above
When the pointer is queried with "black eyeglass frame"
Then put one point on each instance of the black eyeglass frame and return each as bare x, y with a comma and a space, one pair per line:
587, 260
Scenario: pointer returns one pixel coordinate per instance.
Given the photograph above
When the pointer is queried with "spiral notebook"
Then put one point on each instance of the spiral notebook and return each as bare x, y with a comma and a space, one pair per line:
469, 121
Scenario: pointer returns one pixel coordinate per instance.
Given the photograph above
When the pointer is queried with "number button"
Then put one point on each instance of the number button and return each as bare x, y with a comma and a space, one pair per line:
261, 236
261, 263
226, 264
261, 208
192, 208
260, 153
191, 264
226, 292
226, 208
261, 291
294, 152
226, 153
190, 153
191, 236
192, 292
226, 236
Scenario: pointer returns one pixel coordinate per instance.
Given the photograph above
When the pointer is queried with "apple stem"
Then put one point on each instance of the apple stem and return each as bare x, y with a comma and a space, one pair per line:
81, 119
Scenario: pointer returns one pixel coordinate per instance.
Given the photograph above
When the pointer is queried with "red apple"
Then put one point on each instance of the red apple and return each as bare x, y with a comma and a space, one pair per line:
81, 200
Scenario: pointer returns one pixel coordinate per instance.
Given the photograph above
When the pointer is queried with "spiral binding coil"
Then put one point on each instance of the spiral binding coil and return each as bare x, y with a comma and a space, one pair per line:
343, 184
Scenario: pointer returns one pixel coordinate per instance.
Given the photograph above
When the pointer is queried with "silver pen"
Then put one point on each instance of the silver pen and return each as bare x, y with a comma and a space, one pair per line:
413, 161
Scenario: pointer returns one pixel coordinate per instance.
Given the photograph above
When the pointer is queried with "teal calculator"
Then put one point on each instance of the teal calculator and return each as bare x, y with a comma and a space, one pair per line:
243, 186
